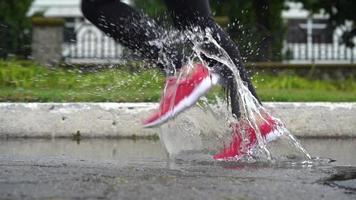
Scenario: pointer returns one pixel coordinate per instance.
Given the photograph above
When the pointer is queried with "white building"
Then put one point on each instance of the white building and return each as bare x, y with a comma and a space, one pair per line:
82, 41
308, 37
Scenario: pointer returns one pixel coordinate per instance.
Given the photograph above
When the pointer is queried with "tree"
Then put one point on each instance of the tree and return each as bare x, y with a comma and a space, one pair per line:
14, 28
256, 25
269, 25
339, 11
153, 8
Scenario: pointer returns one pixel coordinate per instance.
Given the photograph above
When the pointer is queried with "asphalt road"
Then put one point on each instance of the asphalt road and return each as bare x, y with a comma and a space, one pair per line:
147, 174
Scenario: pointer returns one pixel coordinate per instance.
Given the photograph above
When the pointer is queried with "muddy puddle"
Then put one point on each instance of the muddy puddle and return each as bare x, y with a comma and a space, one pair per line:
340, 151
337, 169
124, 150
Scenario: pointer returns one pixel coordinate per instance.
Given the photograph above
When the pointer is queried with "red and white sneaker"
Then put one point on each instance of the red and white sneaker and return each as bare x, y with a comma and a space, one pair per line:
180, 94
236, 151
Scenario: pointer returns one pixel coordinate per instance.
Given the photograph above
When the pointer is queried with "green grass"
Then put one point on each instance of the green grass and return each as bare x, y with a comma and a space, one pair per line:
299, 95
290, 87
24, 81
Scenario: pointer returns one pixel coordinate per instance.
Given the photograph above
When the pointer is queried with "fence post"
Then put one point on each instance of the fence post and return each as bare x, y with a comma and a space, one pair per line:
47, 40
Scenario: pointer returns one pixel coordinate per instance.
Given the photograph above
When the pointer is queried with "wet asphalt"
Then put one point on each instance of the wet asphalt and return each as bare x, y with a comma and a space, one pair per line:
129, 169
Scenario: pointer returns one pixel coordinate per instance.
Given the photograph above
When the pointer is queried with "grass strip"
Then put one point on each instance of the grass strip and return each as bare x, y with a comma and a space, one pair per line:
25, 81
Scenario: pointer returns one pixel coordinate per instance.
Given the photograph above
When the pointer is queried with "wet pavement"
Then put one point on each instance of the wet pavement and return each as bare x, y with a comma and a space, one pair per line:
140, 169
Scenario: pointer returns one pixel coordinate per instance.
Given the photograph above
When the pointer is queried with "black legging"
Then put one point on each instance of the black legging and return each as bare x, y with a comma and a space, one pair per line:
136, 31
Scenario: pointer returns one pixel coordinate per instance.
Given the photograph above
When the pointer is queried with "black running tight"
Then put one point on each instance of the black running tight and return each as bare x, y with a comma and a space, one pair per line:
135, 30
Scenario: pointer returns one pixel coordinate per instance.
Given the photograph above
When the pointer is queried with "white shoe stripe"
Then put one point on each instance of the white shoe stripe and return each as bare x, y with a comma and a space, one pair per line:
188, 101
273, 135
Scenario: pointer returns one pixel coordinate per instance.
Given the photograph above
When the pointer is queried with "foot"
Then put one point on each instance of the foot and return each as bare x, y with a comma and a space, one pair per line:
180, 94
236, 150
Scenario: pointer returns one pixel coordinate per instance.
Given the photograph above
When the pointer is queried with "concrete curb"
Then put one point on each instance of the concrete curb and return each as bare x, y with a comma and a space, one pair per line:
123, 119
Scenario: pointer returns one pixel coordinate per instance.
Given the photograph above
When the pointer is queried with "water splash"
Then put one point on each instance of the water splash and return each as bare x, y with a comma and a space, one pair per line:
202, 44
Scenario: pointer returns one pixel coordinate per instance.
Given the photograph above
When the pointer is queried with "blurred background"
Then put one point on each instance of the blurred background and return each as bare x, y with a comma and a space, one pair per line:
296, 50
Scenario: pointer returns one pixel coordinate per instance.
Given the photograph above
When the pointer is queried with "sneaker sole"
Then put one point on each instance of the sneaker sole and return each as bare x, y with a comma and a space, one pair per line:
187, 102
272, 136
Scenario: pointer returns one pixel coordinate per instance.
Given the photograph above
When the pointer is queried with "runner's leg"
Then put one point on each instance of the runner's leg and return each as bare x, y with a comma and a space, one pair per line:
187, 14
130, 27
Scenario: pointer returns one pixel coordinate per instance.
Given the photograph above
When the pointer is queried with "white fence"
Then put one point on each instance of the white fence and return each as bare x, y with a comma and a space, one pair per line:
311, 52
92, 46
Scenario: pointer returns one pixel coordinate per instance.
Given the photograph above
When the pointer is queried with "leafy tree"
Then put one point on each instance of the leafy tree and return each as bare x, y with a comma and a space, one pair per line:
340, 11
153, 8
256, 25
14, 28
